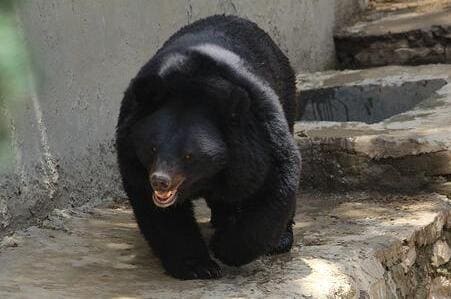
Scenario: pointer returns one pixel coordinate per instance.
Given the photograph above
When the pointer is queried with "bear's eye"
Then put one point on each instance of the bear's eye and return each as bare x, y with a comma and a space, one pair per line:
154, 149
187, 157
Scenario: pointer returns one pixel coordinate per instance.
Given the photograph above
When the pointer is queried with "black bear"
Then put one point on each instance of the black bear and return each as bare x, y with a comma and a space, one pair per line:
211, 116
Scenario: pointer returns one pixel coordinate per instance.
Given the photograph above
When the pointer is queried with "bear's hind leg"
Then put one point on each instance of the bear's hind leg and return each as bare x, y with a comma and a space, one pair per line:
258, 230
263, 219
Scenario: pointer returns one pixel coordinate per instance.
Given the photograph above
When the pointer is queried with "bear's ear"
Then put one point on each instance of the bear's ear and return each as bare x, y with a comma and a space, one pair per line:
147, 89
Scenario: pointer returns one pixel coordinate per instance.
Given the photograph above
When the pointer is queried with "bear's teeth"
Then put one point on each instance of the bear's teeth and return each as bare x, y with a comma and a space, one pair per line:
166, 201
163, 195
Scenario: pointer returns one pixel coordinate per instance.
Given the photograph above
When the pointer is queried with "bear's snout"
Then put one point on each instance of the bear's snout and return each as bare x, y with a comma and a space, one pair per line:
164, 188
160, 181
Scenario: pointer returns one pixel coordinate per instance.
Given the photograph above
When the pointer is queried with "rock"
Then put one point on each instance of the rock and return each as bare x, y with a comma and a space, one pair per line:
384, 129
441, 253
440, 288
410, 259
9, 241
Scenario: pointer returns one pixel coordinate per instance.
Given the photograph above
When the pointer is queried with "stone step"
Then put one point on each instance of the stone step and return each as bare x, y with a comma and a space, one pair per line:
400, 33
385, 128
353, 245
396, 6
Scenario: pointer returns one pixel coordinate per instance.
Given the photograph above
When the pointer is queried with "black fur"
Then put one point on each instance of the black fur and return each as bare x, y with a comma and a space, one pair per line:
244, 160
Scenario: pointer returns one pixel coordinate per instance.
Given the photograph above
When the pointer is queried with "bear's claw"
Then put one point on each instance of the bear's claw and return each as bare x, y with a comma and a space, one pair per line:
194, 269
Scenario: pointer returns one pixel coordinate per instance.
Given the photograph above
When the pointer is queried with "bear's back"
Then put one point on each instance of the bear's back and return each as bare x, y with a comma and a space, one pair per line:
254, 46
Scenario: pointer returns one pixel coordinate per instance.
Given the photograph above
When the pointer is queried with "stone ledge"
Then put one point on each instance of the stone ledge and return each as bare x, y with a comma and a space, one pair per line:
407, 151
395, 6
402, 37
354, 245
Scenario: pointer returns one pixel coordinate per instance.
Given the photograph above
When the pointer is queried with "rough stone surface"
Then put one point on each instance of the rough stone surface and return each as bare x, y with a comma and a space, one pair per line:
354, 245
441, 253
386, 7
440, 288
407, 151
409, 34
84, 54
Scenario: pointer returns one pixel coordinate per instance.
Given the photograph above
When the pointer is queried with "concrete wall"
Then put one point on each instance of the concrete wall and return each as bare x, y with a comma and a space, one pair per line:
84, 54
346, 11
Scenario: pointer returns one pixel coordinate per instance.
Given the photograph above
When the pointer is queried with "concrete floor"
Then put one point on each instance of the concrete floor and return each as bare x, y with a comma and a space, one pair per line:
346, 245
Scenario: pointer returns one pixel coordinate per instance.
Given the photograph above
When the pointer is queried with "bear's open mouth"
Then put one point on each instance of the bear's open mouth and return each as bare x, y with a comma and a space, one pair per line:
164, 199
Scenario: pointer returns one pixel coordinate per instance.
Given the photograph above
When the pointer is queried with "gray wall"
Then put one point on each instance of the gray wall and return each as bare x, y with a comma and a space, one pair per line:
84, 53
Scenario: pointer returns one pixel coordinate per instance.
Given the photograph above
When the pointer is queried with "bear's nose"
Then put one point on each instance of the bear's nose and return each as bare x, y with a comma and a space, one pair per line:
160, 181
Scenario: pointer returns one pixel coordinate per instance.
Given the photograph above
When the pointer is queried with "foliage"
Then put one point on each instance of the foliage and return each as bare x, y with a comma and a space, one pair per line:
12, 74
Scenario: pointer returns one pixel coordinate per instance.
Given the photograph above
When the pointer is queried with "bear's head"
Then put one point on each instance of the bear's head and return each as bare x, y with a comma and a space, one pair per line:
186, 112
181, 147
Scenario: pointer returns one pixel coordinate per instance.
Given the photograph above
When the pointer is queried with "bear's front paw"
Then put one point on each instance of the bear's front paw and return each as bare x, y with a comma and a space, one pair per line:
285, 243
230, 251
192, 268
